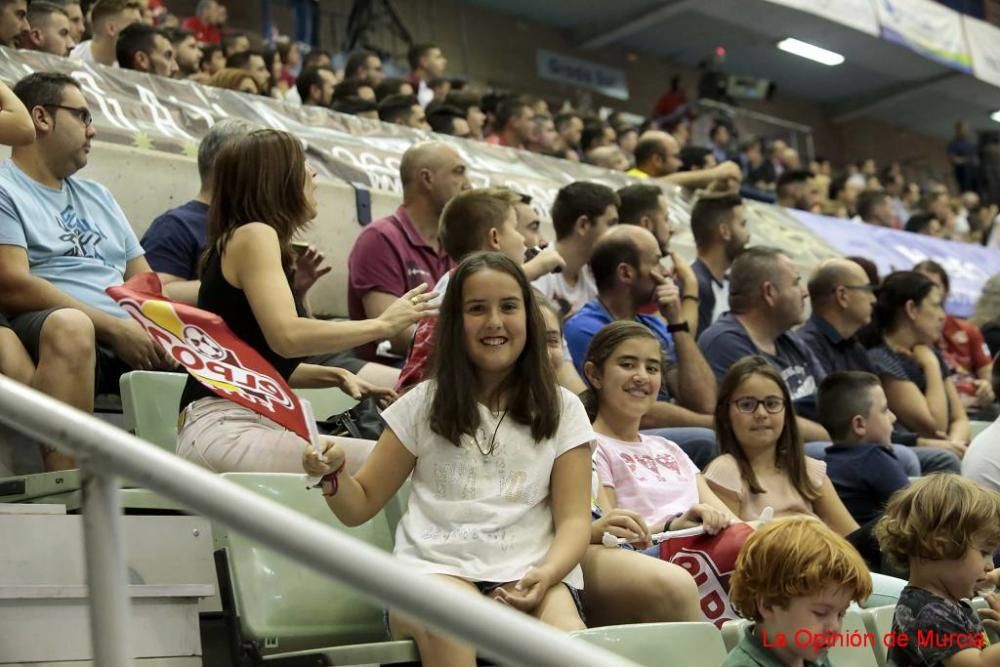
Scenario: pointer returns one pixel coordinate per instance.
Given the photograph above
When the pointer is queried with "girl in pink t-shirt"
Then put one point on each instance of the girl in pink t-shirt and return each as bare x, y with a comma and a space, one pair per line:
648, 475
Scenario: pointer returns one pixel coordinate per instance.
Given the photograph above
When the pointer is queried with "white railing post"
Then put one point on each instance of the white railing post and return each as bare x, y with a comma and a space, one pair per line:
107, 579
508, 636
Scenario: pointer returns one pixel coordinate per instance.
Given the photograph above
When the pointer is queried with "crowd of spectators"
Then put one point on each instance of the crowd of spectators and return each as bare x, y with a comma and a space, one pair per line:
203, 48
708, 373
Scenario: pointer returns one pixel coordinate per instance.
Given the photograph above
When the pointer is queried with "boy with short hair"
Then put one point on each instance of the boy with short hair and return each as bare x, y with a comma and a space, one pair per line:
853, 408
945, 528
793, 576
483, 219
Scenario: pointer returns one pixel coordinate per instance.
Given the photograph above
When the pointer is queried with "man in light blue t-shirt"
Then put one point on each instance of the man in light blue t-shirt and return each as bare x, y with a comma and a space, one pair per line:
63, 240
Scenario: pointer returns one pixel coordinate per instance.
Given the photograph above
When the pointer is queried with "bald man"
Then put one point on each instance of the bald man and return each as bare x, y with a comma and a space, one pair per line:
628, 274
609, 157
399, 252
842, 298
657, 156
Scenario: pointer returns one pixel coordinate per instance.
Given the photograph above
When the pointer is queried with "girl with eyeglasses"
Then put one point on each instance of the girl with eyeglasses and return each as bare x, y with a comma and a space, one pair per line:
499, 460
762, 462
648, 479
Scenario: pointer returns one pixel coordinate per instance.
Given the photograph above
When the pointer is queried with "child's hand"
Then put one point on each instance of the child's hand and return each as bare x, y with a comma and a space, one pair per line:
527, 593
318, 463
991, 615
711, 518
621, 523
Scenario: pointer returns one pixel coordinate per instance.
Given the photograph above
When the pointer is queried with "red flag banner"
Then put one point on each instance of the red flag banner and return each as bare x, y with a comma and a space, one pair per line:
202, 343
710, 559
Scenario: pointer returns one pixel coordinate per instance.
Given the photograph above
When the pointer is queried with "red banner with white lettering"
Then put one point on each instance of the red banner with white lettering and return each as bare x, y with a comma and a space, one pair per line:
711, 560
202, 343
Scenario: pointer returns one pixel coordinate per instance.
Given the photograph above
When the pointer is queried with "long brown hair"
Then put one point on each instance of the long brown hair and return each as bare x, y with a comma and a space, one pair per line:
789, 454
602, 346
258, 178
230, 78
532, 392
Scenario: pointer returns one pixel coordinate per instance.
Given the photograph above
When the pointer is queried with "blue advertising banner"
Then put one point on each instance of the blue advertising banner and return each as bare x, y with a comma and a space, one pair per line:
968, 265
928, 28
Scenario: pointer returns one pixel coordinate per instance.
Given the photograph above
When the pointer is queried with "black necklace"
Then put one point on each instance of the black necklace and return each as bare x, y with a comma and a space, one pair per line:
491, 449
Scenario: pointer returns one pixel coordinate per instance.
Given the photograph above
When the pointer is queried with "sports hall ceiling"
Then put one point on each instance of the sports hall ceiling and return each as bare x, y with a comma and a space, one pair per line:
879, 79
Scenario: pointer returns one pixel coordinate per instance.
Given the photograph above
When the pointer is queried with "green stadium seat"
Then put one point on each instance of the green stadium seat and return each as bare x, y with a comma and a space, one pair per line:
149, 401
287, 612
878, 621
849, 656
885, 591
657, 644
732, 632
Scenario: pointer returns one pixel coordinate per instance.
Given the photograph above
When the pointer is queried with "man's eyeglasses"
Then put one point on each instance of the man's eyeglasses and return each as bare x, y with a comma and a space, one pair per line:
748, 405
84, 115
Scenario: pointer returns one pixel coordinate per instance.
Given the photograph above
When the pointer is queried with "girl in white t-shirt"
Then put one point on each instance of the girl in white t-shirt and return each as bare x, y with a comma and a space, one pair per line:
499, 456
648, 475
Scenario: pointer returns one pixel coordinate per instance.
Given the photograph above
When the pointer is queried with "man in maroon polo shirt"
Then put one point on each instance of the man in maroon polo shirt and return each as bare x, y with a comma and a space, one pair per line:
399, 252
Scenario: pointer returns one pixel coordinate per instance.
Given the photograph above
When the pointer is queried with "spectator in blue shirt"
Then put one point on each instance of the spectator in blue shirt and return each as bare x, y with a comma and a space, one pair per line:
628, 275
854, 410
63, 241
766, 299
174, 244
719, 227
175, 241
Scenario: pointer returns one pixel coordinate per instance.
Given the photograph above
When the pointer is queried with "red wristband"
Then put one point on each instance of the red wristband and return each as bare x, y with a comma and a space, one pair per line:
331, 481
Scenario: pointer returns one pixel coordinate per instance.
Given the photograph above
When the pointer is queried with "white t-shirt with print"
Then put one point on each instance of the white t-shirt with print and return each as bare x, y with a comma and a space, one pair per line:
568, 299
477, 516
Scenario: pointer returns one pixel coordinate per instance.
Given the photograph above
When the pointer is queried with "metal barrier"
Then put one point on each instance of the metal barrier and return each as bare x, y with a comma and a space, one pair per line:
106, 452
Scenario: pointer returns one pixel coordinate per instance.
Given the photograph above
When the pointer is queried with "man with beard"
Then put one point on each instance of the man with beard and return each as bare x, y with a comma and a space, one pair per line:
63, 241
643, 204
50, 31
719, 226
767, 299
186, 51
627, 272
13, 21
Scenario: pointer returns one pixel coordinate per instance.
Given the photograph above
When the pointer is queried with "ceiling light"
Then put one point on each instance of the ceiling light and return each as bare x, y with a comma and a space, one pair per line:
995, 116
810, 51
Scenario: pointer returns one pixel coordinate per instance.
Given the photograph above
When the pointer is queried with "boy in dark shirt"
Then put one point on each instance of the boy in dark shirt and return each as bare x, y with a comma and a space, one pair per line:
853, 408
945, 529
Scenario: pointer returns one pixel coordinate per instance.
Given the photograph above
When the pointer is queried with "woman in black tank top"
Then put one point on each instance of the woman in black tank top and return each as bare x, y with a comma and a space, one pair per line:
264, 193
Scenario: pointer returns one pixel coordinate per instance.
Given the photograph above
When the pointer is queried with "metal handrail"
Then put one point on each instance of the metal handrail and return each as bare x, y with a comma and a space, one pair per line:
105, 451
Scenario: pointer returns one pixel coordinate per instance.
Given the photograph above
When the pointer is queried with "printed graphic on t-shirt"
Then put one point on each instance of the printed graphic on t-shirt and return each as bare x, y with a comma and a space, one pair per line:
663, 467
80, 234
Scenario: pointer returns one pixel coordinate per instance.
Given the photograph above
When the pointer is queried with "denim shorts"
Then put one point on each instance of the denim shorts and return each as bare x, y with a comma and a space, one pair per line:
487, 587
